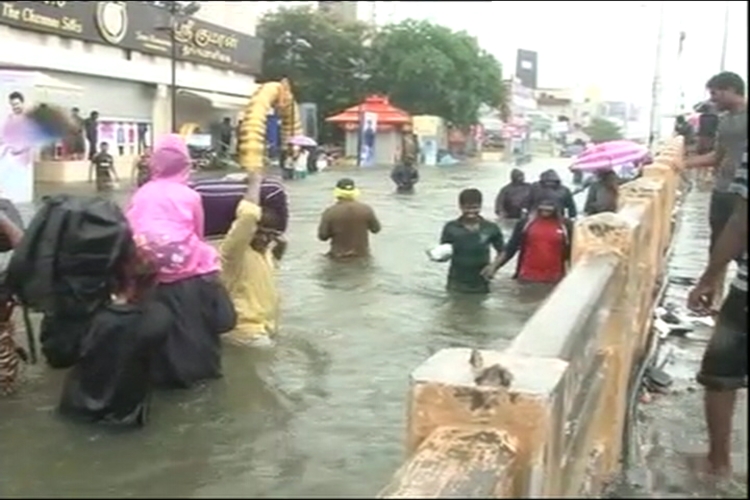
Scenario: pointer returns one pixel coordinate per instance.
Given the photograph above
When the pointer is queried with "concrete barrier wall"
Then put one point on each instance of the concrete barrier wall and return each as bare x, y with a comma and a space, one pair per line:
549, 416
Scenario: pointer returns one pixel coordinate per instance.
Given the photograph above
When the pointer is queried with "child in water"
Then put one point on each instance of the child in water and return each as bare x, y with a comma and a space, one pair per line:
249, 253
471, 237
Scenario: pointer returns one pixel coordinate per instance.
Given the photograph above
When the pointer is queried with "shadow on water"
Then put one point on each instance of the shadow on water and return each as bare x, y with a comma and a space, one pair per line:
322, 414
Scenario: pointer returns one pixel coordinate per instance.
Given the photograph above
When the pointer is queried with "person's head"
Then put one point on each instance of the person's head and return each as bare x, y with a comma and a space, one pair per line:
227, 120
146, 152
104, 147
346, 190
274, 204
170, 159
517, 176
727, 90
609, 178
267, 230
470, 203
681, 120
549, 178
75, 112
547, 208
16, 101
94, 115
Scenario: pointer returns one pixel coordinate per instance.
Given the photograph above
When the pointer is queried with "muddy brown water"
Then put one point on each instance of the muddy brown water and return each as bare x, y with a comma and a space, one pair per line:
321, 415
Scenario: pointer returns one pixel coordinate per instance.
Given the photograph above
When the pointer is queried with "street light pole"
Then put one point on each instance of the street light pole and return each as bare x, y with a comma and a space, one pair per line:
725, 38
655, 119
176, 11
173, 7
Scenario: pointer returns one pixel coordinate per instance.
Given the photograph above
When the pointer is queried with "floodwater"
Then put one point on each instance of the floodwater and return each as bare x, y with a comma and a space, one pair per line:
322, 415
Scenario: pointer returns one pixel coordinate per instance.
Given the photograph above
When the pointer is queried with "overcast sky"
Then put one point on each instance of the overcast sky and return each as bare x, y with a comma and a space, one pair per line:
609, 44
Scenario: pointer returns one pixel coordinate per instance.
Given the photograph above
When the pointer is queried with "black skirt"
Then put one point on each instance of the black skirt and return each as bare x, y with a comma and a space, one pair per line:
202, 311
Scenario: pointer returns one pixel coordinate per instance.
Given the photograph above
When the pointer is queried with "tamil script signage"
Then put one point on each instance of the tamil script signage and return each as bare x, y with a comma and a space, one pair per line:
139, 27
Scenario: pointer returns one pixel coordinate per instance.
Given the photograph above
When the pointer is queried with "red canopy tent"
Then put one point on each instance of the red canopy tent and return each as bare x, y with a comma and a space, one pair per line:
388, 116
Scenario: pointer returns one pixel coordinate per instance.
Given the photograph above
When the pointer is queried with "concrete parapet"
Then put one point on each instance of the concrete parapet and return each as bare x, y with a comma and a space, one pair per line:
550, 421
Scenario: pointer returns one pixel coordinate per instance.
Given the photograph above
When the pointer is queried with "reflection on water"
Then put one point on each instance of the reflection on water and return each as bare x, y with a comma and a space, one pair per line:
322, 414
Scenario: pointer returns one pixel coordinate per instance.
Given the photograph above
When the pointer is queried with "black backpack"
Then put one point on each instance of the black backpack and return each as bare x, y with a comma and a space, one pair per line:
63, 267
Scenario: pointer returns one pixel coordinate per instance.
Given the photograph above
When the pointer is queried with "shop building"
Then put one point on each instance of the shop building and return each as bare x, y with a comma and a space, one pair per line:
115, 58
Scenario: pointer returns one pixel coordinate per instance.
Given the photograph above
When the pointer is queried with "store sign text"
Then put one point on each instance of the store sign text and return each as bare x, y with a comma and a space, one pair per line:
29, 15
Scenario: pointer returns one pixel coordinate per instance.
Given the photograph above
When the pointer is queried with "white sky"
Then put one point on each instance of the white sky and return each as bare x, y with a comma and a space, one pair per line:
608, 44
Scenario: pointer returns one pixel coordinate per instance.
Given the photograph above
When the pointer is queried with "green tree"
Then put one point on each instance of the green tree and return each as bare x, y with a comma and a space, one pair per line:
428, 69
603, 130
324, 60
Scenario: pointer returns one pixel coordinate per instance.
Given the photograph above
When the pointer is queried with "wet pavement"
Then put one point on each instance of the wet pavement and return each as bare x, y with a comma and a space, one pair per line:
322, 415
670, 428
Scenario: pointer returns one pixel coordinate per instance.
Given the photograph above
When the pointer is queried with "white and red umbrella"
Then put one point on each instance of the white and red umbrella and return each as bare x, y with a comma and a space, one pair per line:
610, 155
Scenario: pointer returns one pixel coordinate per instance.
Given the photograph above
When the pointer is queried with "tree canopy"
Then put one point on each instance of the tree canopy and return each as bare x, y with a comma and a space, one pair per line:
424, 68
428, 69
323, 59
603, 130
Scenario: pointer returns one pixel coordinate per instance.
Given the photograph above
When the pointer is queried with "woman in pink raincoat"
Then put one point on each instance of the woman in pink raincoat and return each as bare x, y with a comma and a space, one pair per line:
166, 216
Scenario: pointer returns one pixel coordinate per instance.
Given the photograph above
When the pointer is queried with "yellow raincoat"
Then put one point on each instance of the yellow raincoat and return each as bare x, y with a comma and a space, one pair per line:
248, 276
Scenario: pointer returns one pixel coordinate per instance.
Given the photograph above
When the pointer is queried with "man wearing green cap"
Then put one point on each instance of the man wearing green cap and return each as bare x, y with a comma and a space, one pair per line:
347, 223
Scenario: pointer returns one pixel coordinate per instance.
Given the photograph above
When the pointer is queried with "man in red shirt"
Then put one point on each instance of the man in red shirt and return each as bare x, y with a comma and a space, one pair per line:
542, 241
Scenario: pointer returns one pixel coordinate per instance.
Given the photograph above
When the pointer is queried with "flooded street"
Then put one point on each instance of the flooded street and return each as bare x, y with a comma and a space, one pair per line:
322, 415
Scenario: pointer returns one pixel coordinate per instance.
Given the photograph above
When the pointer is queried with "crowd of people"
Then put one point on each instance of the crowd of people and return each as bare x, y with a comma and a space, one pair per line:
171, 296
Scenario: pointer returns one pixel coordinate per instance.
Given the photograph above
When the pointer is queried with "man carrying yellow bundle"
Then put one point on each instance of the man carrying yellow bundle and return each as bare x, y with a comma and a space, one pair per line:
249, 253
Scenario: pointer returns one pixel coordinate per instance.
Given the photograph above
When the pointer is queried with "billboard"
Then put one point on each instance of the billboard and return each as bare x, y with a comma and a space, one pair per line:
527, 68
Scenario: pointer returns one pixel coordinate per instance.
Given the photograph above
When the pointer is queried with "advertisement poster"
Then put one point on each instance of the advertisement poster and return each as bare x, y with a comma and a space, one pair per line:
16, 160
368, 139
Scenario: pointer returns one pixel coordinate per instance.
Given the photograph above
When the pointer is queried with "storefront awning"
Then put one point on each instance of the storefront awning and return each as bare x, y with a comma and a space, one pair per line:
218, 101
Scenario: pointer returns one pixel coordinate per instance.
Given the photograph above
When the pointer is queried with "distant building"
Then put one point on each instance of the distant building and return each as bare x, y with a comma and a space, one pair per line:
341, 11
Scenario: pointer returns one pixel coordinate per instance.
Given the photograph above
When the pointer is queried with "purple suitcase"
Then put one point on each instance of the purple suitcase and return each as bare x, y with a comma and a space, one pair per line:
220, 198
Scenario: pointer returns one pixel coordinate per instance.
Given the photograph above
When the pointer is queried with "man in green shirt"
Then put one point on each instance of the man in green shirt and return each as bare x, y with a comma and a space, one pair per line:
471, 237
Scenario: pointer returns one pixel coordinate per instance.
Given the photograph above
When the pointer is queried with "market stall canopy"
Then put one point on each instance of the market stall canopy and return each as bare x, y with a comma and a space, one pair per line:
218, 101
388, 115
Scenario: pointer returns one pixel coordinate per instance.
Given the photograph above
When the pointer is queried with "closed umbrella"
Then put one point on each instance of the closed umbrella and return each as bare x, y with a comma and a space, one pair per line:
610, 155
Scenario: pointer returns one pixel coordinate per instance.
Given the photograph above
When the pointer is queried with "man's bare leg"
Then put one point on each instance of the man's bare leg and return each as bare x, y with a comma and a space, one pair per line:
719, 408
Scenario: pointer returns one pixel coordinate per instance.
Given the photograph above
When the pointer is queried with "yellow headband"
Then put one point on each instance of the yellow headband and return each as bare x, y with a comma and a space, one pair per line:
346, 194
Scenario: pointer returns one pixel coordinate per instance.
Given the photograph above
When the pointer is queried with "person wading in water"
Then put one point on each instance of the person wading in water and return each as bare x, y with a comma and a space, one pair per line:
347, 223
471, 237
510, 200
543, 242
603, 194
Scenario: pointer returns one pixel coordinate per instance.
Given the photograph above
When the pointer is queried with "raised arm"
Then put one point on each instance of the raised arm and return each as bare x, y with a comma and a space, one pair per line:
245, 223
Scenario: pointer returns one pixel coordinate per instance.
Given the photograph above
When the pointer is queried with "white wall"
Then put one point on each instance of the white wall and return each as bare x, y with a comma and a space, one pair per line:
27, 48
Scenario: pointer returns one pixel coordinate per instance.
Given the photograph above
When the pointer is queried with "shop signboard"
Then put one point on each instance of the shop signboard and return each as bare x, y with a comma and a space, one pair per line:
140, 27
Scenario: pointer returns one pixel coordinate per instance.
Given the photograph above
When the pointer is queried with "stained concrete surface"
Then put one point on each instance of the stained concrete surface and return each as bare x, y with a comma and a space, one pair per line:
671, 427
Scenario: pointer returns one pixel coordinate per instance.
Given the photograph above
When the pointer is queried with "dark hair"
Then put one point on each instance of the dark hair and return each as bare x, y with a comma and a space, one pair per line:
471, 196
134, 273
75, 110
726, 80
94, 114
270, 219
16, 95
